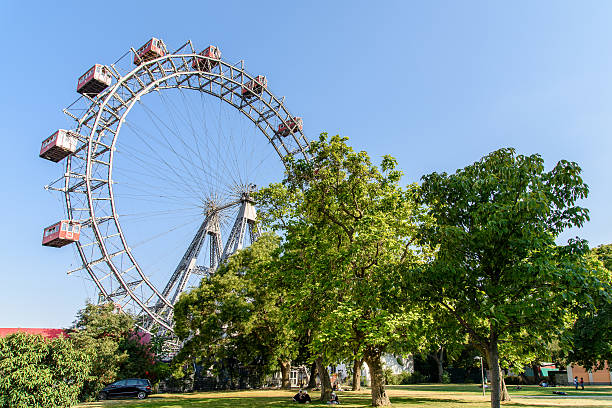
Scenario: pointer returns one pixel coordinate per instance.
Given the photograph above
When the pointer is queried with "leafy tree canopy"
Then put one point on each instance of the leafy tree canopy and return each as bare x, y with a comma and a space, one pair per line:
99, 331
591, 334
37, 372
497, 269
346, 225
236, 314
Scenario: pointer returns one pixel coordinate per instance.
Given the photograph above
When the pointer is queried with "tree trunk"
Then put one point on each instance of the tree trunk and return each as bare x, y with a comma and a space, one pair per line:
326, 387
377, 379
493, 358
536, 373
504, 394
312, 381
438, 356
285, 367
357, 374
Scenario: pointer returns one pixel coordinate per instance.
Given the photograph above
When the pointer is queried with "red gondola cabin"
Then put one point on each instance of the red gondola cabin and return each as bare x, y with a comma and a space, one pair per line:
212, 54
293, 125
62, 233
95, 80
58, 145
256, 86
154, 48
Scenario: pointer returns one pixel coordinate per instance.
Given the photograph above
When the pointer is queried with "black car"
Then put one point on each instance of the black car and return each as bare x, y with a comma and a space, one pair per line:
131, 387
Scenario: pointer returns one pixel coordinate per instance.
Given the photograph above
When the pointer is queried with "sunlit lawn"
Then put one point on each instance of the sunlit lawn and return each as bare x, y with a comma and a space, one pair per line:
421, 395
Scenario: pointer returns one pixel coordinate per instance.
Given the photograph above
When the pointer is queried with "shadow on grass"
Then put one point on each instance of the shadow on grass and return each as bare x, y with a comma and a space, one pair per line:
430, 401
540, 405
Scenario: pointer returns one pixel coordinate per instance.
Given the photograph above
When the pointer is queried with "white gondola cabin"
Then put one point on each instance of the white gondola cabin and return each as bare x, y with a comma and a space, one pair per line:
61, 233
154, 48
95, 80
256, 86
293, 125
212, 54
57, 146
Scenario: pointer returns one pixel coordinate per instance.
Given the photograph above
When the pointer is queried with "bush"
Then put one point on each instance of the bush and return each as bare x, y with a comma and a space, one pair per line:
390, 378
35, 372
446, 378
408, 378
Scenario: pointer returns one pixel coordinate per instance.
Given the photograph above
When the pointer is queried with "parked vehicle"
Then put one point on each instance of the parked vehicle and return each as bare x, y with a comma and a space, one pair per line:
131, 387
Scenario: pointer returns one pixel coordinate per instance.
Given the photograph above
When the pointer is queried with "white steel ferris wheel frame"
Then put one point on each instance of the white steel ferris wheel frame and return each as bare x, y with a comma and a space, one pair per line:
88, 181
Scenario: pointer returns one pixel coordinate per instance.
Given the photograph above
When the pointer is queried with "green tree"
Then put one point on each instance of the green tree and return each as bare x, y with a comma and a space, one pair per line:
237, 315
441, 338
591, 334
140, 361
37, 372
98, 331
346, 225
497, 269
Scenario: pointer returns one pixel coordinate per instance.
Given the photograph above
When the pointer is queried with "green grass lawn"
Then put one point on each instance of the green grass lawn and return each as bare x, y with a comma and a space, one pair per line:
407, 396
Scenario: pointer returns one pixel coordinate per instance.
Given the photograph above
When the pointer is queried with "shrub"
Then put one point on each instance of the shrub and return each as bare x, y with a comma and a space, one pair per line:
389, 376
446, 378
35, 372
410, 378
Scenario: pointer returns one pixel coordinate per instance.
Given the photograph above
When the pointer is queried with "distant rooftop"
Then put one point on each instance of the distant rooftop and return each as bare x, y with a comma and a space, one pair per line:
48, 333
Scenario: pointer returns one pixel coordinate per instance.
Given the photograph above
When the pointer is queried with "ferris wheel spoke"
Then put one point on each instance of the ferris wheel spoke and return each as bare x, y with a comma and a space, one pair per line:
197, 152
150, 169
146, 138
154, 190
185, 161
217, 156
162, 160
153, 175
205, 168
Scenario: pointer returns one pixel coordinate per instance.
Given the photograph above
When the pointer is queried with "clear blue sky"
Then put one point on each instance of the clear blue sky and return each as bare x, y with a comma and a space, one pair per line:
437, 84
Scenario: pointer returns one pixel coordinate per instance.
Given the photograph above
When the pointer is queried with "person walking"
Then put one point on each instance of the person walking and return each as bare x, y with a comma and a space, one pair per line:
576, 382
582, 383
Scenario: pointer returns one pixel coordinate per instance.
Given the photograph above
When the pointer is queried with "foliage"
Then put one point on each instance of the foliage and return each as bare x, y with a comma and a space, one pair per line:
35, 372
235, 317
98, 331
497, 268
346, 225
442, 339
390, 377
604, 254
405, 378
140, 361
592, 332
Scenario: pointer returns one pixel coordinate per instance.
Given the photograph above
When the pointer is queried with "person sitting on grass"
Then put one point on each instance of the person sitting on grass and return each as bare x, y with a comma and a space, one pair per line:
302, 397
334, 399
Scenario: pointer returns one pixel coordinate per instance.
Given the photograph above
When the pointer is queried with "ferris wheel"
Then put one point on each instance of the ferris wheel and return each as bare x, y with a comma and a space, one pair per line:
141, 208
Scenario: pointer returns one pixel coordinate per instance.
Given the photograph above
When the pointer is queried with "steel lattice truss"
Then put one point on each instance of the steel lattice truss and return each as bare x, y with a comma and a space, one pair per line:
88, 180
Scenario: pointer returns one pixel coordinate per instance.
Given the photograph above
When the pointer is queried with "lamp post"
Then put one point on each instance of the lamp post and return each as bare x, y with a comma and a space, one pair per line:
481, 373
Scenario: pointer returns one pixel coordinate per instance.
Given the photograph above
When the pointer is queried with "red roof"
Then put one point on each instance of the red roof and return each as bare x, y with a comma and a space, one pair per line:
48, 333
